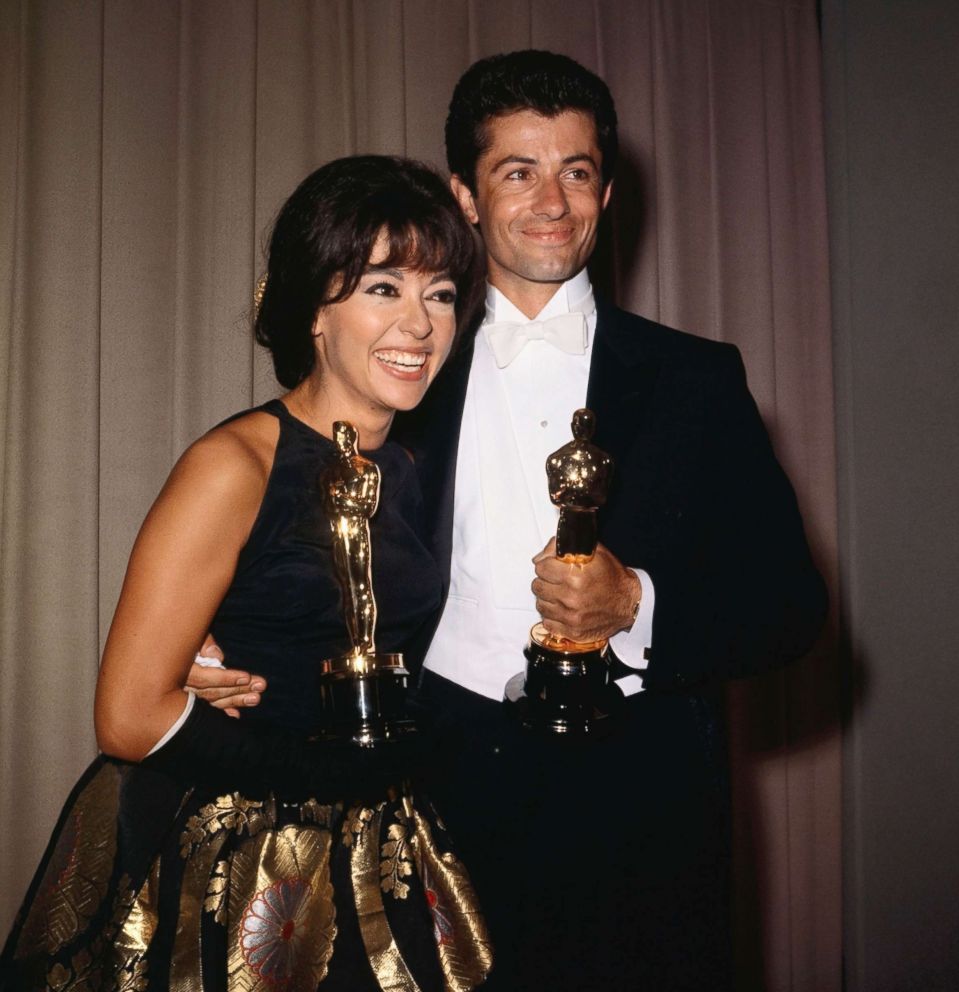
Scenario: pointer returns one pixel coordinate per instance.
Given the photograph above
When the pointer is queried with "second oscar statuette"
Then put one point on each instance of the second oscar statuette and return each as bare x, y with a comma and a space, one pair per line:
363, 693
566, 687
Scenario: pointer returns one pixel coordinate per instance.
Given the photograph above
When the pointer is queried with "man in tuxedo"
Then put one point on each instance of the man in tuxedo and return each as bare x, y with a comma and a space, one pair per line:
600, 863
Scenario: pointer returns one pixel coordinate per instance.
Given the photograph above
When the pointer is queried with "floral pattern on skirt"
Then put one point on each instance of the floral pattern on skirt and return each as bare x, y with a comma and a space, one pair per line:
144, 887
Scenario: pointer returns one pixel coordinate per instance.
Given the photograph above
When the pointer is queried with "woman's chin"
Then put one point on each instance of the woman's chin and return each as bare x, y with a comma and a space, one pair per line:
406, 395
408, 401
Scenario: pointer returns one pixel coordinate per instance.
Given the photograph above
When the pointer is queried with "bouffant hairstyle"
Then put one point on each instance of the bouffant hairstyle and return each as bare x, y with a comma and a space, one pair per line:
543, 82
325, 233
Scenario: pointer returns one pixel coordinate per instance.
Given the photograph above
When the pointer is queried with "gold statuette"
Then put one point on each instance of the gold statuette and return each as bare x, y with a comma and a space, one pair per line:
363, 692
351, 493
566, 687
578, 475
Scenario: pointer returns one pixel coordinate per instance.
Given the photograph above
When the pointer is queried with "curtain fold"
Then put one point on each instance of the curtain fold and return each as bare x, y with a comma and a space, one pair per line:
145, 149
50, 342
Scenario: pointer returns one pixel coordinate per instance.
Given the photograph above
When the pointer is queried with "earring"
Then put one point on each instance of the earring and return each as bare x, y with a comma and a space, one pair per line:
258, 290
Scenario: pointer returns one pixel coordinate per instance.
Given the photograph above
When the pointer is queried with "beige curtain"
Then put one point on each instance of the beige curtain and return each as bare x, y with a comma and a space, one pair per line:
144, 148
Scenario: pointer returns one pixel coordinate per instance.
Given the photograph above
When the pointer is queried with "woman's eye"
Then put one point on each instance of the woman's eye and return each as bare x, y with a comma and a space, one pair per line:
447, 296
382, 289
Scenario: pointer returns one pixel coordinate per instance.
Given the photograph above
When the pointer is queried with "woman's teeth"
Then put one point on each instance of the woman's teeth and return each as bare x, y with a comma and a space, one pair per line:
405, 361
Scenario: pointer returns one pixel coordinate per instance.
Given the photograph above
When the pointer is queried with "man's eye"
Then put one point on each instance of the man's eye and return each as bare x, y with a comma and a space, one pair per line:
518, 174
382, 289
579, 175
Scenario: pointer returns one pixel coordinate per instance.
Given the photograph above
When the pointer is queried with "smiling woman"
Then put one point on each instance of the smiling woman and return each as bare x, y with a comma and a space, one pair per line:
199, 851
344, 218
382, 346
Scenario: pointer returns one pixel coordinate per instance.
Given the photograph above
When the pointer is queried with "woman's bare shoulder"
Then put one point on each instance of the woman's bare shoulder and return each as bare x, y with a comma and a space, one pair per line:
250, 438
229, 465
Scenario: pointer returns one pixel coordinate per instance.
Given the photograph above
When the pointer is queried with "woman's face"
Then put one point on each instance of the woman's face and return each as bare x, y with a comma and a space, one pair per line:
379, 349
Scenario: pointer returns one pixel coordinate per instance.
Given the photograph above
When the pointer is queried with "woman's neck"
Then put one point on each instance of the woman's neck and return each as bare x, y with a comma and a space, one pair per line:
312, 404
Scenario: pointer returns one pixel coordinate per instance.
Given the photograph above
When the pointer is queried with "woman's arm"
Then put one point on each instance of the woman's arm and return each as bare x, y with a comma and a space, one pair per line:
180, 568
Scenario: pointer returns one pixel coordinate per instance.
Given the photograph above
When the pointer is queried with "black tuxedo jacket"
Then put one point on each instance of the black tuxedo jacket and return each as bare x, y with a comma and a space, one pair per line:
698, 499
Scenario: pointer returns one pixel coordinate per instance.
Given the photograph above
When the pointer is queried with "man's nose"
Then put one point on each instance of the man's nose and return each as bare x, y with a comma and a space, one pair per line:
551, 199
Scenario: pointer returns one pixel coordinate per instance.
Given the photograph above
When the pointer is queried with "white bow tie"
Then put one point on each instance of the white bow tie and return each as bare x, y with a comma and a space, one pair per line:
566, 331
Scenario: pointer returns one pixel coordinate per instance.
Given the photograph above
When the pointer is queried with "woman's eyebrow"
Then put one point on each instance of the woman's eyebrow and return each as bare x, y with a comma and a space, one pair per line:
383, 270
398, 273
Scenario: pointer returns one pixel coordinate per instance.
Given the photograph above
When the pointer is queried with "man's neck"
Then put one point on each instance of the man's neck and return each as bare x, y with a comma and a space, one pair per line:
574, 293
528, 297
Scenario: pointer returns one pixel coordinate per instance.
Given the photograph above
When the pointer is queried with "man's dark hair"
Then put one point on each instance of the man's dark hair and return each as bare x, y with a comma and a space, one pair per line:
544, 82
325, 233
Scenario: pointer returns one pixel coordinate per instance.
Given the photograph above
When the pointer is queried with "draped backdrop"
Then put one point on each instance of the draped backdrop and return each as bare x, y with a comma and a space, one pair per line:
144, 149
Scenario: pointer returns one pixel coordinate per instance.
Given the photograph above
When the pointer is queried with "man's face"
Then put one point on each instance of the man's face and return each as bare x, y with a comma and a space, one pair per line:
539, 196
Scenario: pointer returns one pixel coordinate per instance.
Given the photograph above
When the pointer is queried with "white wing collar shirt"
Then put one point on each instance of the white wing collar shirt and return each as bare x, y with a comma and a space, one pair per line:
526, 380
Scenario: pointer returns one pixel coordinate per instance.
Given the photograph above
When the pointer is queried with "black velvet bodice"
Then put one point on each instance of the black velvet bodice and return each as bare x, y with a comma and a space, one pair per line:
283, 612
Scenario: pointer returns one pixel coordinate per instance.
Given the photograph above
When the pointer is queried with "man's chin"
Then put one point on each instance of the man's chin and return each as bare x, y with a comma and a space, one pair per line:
552, 272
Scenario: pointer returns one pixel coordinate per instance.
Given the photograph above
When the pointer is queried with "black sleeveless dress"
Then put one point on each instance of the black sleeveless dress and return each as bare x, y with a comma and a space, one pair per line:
147, 887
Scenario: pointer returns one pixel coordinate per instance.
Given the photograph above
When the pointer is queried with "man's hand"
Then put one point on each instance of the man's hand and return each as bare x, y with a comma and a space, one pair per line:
587, 602
228, 689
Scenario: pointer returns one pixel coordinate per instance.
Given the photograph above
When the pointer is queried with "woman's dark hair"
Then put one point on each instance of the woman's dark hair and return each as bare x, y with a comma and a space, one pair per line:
543, 82
325, 233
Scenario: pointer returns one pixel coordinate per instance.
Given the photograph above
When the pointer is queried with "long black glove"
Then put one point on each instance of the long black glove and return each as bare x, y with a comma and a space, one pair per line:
214, 750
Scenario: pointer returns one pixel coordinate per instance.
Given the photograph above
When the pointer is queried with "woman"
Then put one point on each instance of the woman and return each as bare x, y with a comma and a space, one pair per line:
209, 853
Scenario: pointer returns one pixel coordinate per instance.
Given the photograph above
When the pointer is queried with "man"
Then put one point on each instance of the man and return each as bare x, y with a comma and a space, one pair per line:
599, 863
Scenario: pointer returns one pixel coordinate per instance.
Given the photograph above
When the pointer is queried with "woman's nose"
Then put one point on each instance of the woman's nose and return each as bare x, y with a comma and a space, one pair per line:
416, 319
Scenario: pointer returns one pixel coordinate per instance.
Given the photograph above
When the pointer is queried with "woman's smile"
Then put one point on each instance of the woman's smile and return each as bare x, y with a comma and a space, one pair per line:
403, 364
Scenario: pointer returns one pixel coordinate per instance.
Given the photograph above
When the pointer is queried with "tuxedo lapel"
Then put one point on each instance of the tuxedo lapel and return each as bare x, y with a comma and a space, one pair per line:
622, 373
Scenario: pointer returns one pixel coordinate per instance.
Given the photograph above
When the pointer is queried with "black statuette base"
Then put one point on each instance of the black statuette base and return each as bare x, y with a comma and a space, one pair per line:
365, 704
565, 692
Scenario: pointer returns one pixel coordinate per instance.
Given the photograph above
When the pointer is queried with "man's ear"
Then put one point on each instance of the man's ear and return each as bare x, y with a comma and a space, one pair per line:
464, 198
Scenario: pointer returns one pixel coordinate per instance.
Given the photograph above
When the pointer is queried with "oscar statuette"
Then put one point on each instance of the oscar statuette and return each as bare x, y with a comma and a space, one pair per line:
566, 687
363, 693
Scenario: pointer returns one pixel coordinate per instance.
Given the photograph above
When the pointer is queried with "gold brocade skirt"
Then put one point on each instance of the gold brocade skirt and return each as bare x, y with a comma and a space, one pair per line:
146, 888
